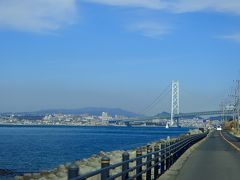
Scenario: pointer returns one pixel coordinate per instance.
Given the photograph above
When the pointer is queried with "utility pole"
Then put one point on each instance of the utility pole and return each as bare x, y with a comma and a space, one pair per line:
237, 103
222, 109
236, 110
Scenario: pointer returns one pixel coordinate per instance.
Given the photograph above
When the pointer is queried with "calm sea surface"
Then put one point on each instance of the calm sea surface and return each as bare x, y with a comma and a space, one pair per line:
27, 149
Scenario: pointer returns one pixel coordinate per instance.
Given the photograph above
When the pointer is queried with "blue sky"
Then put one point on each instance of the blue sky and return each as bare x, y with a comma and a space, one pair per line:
117, 53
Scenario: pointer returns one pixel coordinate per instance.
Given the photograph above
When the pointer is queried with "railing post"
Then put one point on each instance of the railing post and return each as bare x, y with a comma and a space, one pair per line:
73, 171
156, 161
125, 166
167, 155
105, 162
149, 163
171, 153
163, 155
184, 148
174, 151
138, 163
177, 153
179, 147
190, 143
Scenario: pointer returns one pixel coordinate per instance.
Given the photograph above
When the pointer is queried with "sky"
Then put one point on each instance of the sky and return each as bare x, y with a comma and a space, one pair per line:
117, 53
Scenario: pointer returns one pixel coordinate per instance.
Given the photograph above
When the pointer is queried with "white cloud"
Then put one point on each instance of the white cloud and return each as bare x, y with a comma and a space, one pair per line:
153, 4
178, 6
152, 29
149, 28
36, 15
233, 37
50, 15
229, 6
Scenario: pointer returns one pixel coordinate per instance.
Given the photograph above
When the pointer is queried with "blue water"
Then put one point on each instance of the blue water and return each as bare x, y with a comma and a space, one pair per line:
28, 149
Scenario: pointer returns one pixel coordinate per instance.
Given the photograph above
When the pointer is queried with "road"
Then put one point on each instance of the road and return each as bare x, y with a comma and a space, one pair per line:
215, 159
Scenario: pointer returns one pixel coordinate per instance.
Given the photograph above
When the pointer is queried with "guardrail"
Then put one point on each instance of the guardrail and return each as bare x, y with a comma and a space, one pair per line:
152, 164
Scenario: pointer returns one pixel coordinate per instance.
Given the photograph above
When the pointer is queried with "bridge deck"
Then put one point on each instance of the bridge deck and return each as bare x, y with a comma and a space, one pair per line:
215, 159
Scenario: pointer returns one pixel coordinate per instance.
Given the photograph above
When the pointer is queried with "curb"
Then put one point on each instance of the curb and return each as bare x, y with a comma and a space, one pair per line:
233, 145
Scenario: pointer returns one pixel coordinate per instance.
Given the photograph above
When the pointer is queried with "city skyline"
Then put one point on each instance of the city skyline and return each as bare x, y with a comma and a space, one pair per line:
106, 53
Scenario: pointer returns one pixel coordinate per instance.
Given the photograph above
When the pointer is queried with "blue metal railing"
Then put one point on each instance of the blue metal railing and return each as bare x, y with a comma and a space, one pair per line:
153, 164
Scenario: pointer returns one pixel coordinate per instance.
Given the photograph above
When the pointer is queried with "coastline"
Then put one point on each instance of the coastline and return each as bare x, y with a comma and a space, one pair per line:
91, 163
65, 125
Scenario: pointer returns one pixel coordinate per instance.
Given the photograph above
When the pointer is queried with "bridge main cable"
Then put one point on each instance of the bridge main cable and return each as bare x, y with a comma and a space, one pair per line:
156, 100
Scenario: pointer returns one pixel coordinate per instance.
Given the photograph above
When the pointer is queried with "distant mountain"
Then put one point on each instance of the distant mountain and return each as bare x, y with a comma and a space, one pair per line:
164, 115
97, 111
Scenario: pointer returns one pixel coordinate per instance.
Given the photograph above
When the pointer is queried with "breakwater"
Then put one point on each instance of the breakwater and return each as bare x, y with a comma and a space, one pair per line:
95, 162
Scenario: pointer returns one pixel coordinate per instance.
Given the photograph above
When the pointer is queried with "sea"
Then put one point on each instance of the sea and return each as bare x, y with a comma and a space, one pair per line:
39, 148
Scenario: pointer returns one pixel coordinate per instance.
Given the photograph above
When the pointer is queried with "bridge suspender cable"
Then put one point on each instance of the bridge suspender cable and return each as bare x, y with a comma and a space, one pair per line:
157, 100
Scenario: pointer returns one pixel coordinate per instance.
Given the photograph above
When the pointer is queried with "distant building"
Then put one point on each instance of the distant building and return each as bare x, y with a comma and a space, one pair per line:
105, 116
120, 117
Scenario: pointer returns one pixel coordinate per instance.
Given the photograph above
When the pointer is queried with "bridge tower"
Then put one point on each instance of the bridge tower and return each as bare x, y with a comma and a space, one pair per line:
175, 101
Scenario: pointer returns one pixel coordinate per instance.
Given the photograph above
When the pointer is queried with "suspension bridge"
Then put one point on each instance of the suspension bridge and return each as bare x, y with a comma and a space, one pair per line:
175, 114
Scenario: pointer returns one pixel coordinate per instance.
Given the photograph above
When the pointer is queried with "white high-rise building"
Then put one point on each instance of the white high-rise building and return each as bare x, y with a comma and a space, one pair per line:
105, 116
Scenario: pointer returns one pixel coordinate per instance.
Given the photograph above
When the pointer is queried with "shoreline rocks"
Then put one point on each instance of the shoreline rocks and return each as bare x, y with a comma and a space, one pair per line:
5, 172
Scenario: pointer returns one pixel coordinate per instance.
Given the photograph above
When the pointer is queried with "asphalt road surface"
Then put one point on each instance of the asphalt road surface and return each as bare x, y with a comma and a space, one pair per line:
215, 159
